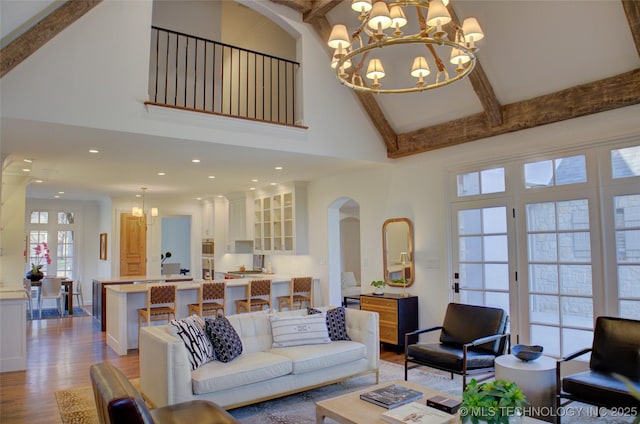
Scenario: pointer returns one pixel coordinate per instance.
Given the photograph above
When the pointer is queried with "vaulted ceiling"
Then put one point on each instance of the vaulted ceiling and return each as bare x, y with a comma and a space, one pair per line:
564, 42
620, 88
540, 63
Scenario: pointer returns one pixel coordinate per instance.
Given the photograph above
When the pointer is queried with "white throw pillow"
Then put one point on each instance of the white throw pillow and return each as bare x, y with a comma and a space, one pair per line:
192, 333
299, 330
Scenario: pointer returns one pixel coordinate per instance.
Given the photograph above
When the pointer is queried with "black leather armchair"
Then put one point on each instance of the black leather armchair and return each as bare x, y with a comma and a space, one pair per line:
615, 349
471, 337
118, 402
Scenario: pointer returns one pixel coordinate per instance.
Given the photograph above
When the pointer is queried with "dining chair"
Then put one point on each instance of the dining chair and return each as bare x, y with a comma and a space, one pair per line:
300, 292
26, 284
51, 289
211, 299
258, 295
77, 293
161, 304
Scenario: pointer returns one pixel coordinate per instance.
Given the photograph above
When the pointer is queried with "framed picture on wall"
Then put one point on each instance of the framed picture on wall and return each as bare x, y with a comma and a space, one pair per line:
103, 246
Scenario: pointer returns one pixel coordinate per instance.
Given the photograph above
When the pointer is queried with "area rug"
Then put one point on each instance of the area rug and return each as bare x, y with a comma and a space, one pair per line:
54, 313
77, 406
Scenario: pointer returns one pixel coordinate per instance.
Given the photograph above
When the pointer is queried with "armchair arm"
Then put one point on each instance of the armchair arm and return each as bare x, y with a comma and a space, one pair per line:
486, 339
559, 372
414, 334
575, 355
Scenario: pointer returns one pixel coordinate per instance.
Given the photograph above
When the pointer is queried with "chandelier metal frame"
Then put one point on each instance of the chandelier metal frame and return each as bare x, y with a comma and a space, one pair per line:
428, 35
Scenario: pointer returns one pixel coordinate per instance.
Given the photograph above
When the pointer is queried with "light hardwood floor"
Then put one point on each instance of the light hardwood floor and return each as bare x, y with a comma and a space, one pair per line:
60, 352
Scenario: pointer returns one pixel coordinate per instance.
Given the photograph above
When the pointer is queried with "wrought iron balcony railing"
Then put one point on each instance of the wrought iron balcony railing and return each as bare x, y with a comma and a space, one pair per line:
196, 74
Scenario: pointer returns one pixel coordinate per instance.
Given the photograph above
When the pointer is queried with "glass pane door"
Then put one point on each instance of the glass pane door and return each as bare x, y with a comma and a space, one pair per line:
482, 254
627, 240
560, 275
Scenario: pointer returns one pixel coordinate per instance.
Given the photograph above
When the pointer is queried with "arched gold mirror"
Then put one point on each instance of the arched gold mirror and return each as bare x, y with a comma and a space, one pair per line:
397, 251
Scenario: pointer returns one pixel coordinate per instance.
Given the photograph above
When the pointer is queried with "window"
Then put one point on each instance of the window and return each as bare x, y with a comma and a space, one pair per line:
560, 171
560, 275
39, 217
627, 239
577, 217
482, 182
59, 234
625, 162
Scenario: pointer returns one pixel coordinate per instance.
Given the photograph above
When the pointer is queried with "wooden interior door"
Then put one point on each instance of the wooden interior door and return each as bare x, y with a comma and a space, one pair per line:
133, 245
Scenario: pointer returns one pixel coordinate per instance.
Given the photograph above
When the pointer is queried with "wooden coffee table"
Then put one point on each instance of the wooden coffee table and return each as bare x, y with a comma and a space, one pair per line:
350, 409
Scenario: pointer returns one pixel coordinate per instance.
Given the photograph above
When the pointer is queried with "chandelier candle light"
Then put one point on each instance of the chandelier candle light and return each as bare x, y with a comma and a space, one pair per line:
432, 19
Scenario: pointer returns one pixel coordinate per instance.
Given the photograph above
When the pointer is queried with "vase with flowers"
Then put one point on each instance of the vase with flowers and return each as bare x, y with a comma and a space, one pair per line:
41, 255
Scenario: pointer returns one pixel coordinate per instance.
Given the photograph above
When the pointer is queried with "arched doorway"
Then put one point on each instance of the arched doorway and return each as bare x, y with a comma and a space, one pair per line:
343, 244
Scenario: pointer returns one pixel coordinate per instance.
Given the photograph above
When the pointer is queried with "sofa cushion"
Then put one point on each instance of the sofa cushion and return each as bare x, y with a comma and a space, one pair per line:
192, 333
226, 341
299, 330
245, 369
336, 323
309, 358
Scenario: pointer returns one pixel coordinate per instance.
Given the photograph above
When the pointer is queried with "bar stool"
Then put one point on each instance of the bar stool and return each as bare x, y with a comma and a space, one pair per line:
258, 295
300, 291
161, 304
211, 299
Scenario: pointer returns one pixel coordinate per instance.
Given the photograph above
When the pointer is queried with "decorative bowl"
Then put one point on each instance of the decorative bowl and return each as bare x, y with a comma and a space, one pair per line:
527, 353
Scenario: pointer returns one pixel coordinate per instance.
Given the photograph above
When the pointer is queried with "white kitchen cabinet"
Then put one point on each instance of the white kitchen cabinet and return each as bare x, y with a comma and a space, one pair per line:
240, 210
280, 219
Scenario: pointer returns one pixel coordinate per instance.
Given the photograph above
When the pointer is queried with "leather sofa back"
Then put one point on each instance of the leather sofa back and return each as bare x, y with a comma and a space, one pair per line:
616, 347
465, 323
117, 400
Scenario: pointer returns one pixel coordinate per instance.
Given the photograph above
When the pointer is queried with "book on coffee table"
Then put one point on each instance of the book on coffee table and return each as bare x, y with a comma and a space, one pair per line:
391, 396
417, 413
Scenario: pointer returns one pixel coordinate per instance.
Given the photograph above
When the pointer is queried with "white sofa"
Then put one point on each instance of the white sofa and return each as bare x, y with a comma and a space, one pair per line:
260, 372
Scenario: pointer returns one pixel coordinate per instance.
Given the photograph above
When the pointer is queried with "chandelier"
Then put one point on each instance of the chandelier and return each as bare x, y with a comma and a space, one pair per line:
141, 212
380, 30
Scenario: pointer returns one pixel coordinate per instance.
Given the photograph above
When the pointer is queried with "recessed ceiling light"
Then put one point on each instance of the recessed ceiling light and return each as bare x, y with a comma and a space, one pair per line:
56, 197
220, 196
255, 180
27, 160
138, 195
39, 181
252, 188
279, 168
93, 151
61, 192
161, 173
26, 170
212, 177
195, 160
273, 184
198, 198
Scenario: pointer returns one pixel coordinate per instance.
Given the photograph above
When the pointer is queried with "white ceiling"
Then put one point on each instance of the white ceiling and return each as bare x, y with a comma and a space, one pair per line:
531, 48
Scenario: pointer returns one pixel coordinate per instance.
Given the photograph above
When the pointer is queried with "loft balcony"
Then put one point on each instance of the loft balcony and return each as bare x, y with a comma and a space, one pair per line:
192, 73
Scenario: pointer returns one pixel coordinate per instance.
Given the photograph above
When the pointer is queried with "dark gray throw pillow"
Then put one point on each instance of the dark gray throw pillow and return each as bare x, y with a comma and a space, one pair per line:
336, 323
226, 341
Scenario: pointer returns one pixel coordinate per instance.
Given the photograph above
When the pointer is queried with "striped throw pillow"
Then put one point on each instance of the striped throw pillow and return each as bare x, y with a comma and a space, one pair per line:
299, 330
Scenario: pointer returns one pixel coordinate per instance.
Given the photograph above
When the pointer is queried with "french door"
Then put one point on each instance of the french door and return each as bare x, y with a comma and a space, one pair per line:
484, 254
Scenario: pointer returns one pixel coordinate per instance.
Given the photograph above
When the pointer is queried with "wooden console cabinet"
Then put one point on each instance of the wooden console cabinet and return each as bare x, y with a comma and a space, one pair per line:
398, 315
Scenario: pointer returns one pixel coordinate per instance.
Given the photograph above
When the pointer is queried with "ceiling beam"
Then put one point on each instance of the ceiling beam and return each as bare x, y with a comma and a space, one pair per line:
585, 99
480, 83
632, 10
378, 119
38, 35
319, 9
302, 6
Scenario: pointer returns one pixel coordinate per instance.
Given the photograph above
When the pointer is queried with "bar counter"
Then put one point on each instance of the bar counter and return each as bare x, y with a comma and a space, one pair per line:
99, 292
123, 300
